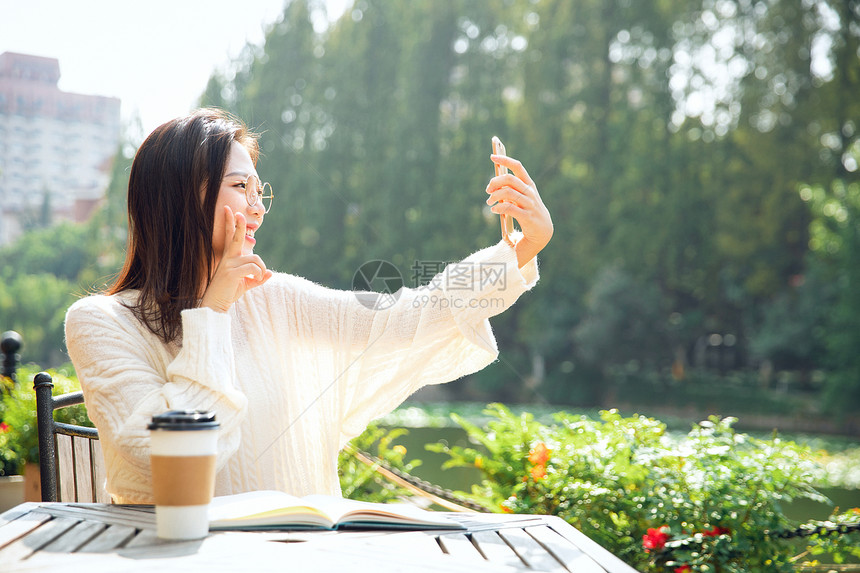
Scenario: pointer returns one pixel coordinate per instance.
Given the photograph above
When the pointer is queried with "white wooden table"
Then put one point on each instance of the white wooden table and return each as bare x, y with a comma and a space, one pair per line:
101, 537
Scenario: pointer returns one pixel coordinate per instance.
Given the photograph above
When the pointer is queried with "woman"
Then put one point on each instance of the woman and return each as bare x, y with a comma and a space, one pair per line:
293, 370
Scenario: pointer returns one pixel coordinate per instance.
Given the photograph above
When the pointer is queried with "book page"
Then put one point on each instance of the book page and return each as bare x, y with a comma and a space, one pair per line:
274, 509
343, 511
257, 508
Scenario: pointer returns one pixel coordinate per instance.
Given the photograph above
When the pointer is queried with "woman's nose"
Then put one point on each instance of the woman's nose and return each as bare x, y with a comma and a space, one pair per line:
257, 208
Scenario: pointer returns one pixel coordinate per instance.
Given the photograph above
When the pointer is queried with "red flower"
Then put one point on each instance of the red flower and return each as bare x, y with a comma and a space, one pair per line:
4, 427
538, 472
715, 531
683, 569
656, 538
539, 455
505, 508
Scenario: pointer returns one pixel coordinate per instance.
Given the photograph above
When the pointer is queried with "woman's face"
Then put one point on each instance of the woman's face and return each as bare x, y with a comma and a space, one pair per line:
232, 193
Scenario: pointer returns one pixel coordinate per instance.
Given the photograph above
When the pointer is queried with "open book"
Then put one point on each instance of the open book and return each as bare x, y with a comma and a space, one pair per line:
278, 510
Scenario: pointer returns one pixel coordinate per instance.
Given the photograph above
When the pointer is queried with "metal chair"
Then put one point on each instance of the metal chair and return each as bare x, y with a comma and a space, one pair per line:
70, 457
10, 344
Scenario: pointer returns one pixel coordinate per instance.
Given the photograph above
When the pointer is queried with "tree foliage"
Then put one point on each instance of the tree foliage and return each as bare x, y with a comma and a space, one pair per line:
669, 140
46, 270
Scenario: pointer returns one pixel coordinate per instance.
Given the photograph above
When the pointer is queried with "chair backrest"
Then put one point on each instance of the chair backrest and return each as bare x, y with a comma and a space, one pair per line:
71, 463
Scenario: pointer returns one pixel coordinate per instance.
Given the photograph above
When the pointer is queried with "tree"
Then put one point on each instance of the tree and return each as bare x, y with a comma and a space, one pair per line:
835, 241
34, 305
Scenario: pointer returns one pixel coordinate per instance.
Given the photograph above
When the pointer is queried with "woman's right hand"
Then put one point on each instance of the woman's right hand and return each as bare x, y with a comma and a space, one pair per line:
236, 273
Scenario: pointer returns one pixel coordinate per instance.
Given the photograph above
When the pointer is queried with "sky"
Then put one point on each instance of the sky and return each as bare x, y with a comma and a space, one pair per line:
155, 55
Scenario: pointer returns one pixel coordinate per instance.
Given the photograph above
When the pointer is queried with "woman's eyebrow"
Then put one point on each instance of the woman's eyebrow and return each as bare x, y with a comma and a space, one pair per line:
236, 173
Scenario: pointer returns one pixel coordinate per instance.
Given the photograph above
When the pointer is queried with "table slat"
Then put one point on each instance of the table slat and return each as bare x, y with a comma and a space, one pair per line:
16, 512
20, 527
493, 521
572, 556
144, 538
495, 550
103, 513
530, 551
413, 543
375, 554
601, 555
460, 547
26, 546
111, 538
74, 538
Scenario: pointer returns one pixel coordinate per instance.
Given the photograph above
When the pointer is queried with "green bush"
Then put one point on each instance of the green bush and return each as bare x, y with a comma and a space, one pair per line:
19, 436
362, 482
709, 501
8, 457
831, 545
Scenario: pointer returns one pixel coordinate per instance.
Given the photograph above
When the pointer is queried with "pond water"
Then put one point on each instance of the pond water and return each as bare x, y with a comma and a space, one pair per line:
805, 509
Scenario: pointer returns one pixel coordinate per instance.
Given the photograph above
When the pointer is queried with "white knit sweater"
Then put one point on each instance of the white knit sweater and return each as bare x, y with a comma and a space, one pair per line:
293, 371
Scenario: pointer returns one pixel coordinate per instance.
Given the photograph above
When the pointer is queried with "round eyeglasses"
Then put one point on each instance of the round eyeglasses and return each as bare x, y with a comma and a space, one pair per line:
255, 191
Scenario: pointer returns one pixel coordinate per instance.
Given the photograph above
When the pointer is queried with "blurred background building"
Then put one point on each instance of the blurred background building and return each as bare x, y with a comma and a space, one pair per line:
56, 148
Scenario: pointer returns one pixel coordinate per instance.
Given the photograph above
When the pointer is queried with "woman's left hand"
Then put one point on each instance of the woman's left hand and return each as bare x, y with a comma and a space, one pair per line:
516, 195
236, 272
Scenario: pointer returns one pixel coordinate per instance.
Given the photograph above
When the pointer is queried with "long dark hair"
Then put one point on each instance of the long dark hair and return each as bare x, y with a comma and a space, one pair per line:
172, 193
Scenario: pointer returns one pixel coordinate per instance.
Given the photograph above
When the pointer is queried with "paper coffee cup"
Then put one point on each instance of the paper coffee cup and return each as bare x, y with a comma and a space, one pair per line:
184, 444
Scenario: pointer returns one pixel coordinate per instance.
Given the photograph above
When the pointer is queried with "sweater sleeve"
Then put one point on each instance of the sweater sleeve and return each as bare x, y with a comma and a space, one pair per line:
430, 335
128, 375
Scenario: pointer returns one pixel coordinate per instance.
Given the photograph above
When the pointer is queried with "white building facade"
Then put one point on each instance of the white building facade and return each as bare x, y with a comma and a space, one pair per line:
56, 148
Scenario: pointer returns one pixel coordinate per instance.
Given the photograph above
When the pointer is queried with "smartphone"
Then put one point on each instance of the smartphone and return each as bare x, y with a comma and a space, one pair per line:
507, 221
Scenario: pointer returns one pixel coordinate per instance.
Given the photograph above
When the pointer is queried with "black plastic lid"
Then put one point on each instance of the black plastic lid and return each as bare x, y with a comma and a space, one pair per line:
184, 420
